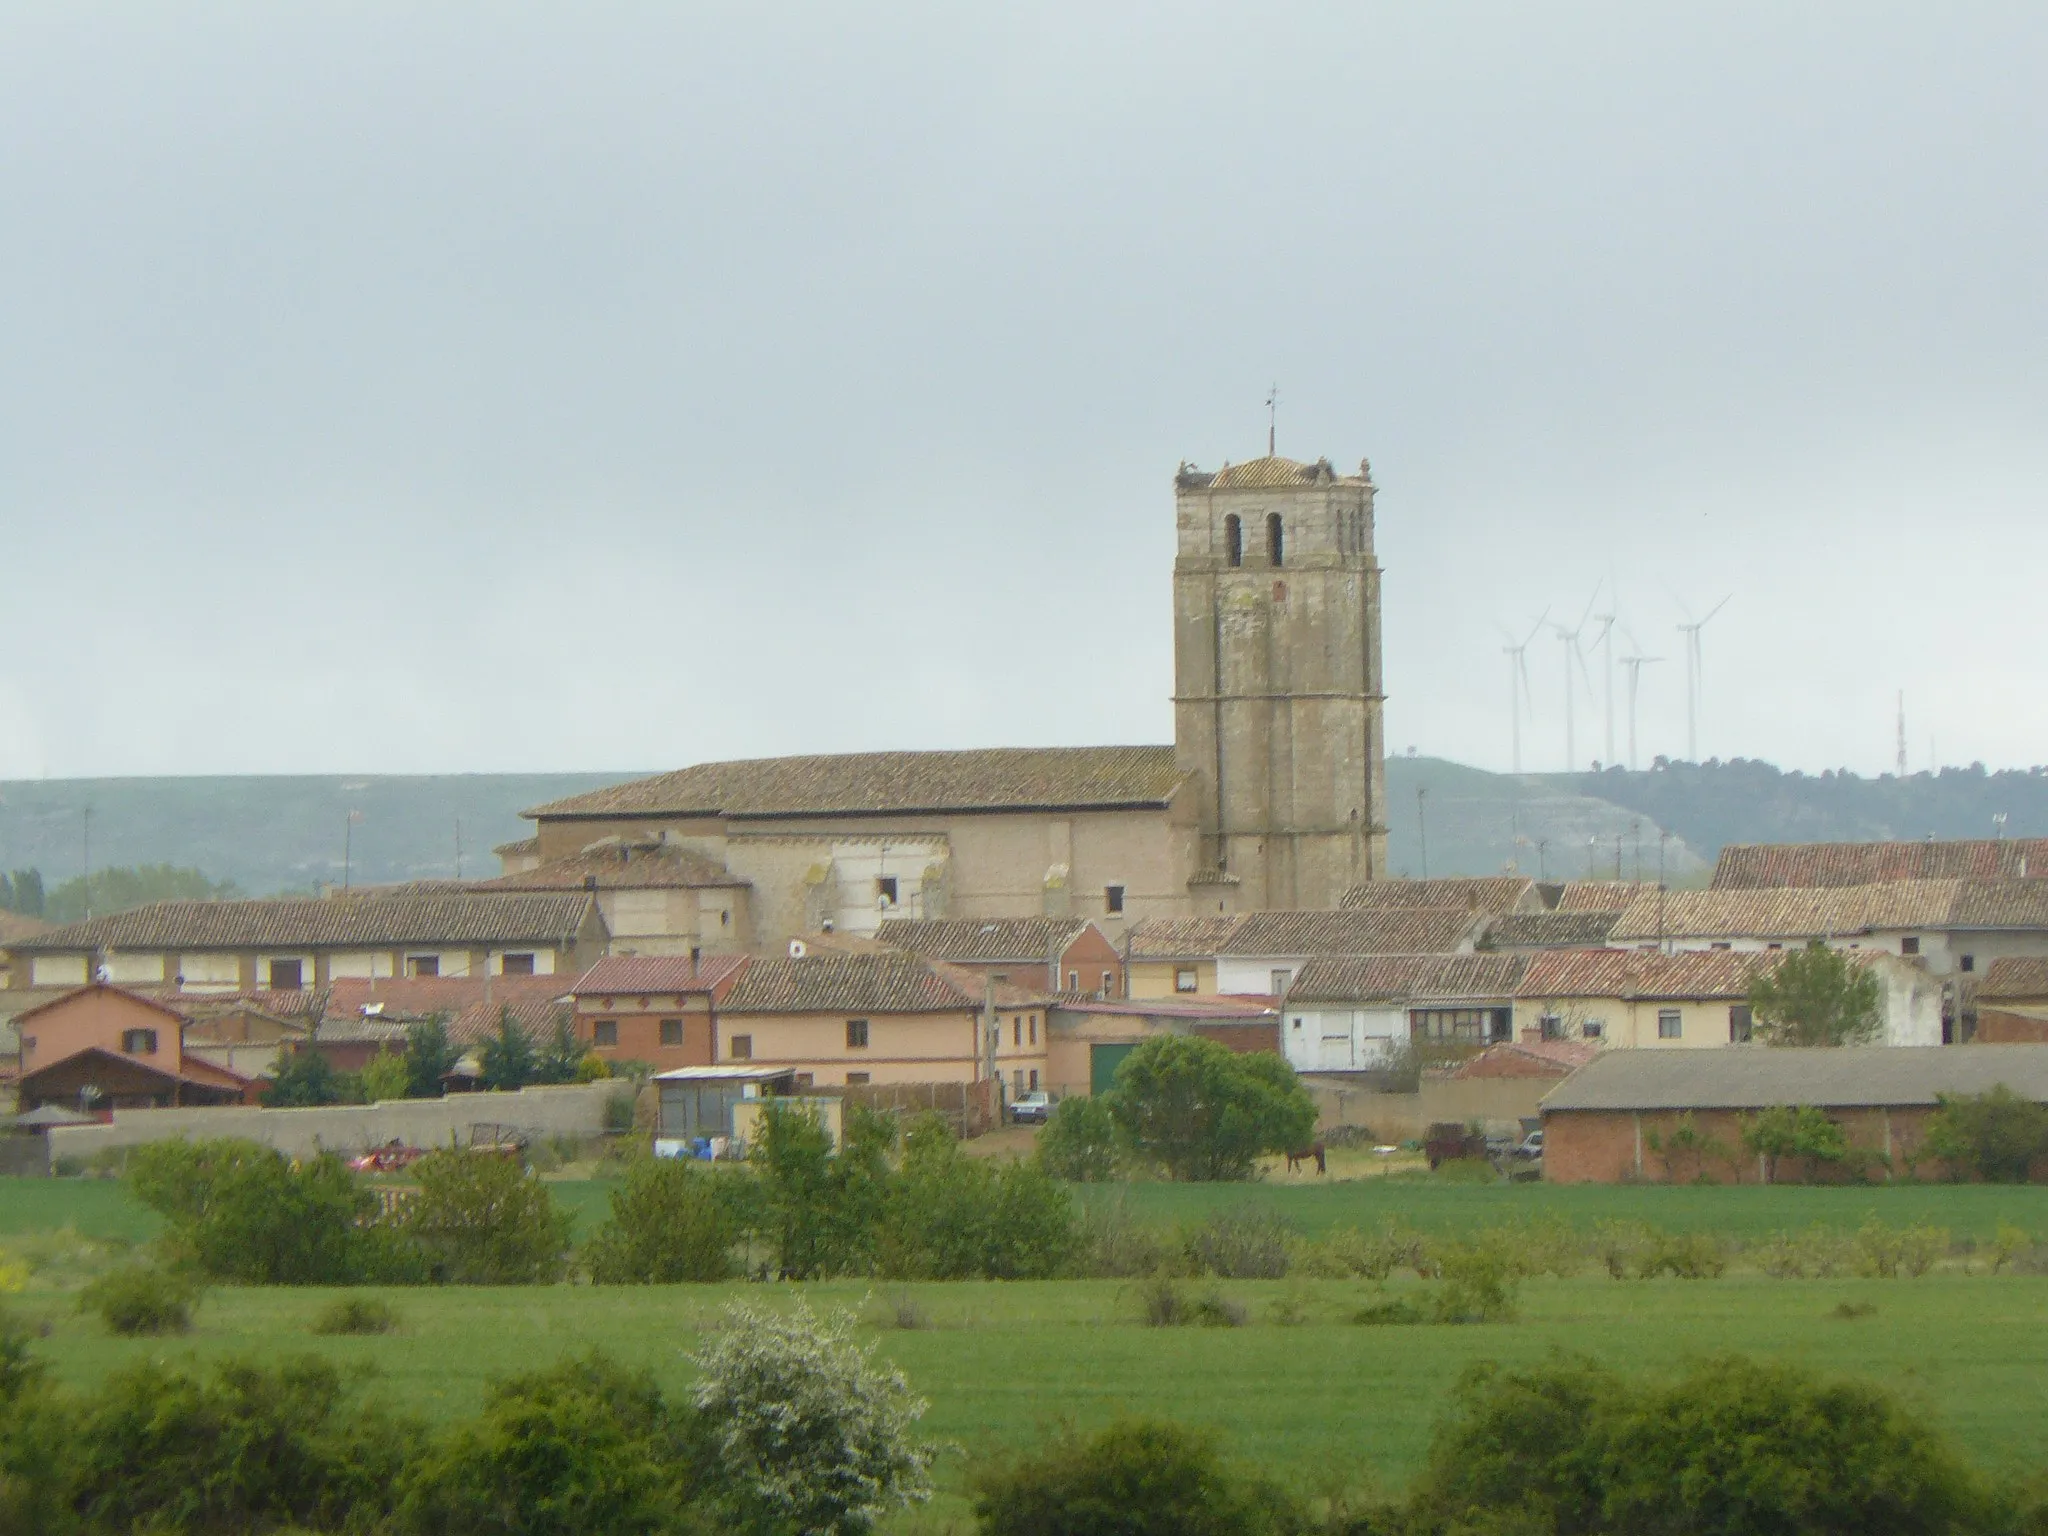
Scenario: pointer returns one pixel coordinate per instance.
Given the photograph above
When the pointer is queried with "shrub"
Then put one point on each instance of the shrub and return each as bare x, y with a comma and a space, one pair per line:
243, 1212
480, 1219
2008, 1245
1163, 1303
1200, 1111
1215, 1310
385, 1076
508, 1060
811, 1433
669, 1222
1252, 1242
429, 1057
1804, 1132
1133, 1478
819, 1211
303, 1079
1885, 1253
948, 1216
140, 1300
1078, 1143
1345, 1251
1391, 1311
1478, 1286
249, 1448
593, 1069
1112, 1244
618, 1110
356, 1315
1996, 1135
561, 1061
586, 1448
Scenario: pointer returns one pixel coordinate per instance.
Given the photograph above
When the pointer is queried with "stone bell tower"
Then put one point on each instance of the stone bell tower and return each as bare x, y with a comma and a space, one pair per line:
1277, 684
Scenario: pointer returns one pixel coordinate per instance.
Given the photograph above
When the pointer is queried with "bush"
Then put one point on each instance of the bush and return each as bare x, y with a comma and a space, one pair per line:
250, 1448
1996, 1135
1886, 1253
1112, 1244
1078, 1143
1389, 1311
385, 1076
1163, 1303
1804, 1132
1252, 1242
811, 1434
586, 1448
1478, 1286
818, 1210
1200, 1111
356, 1315
429, 1057
243, 1212
1345, 1251
1134, 1478
1635, 1250
508, 1060
948, 1216
669, 1222
480, 1219
592, 1069
139, 1300
1730, 1446
304, 1079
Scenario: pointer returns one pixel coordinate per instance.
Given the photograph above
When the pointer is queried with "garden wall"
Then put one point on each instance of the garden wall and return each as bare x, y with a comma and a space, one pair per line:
570, 1109
1620, 1146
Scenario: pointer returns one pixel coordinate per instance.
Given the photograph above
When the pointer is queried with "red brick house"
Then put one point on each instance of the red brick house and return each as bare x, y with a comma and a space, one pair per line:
660, 1009
1038, 954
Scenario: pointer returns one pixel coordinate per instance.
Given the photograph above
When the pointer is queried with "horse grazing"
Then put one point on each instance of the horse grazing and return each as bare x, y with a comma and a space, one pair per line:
1313, 1150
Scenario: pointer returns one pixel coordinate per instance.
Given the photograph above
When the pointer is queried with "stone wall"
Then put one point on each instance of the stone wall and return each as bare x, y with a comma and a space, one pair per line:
573, 1109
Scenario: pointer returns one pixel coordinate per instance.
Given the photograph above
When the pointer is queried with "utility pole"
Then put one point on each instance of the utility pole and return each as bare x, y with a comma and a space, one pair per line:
85, 855
1663, 837
1422, 824
458, 847
348, 844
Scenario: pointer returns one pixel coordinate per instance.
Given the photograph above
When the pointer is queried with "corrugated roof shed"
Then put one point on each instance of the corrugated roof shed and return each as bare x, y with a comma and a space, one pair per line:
993, 779
453, 917
1023, 940
1752, 866
1760, 1077
1403, 978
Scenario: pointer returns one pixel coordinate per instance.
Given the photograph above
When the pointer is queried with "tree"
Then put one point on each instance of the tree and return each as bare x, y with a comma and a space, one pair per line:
481, 1220
670, 1221
1079, 1140
121, 889
1817, 996
1202, 1112
1785, 1131
508, 1057
812, 1433
562, 1060
954, 1217
429, 1057
28, 892
1996, 1135
385, 1076
819, 1211
302, 1079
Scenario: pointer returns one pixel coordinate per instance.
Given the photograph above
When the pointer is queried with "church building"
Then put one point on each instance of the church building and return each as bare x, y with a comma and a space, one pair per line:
1271, 795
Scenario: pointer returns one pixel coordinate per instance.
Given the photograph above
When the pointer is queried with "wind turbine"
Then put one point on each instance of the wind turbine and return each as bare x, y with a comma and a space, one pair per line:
1635, 665
1518, 682
1691, 631
1572, 653
1607, 622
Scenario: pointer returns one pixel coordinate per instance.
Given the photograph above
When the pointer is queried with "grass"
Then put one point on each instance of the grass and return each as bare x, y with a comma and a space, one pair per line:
97, 1208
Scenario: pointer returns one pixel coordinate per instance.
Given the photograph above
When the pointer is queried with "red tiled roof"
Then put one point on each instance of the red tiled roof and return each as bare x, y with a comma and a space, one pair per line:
1024, 940
1481, 893
617, 975
1752, 866
1601, 895
620, 867
841, 983
451, 916
1529, 1058
1368, 931
2015, 979
1396, 978
1641, 973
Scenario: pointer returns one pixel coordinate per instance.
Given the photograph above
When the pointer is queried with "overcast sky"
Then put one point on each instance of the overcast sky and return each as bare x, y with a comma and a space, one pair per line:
472, 387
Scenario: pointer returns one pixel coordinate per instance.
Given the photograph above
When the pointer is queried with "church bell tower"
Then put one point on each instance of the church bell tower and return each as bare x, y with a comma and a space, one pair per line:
1277, 684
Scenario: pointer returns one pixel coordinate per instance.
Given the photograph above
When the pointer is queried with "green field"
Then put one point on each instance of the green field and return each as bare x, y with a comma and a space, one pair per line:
1319, 1399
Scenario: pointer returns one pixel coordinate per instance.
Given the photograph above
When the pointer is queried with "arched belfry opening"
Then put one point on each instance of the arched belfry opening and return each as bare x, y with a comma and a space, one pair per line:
1275, 549
1233, 540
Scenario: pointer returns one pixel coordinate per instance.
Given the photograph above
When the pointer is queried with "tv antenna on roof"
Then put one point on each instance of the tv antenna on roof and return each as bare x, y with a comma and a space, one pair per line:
1272, 415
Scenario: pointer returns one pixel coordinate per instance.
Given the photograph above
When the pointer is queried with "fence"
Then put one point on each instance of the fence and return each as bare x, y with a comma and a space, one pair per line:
971, 1109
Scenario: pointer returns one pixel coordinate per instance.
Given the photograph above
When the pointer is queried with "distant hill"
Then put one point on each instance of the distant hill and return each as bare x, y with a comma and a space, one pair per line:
278, 834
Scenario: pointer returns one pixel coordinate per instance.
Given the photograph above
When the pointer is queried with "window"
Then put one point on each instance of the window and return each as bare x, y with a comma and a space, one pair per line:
1552, 1026
1274, 551
1593, 1029
1112, 899
605, 1032
1184, 979
1280, 980
803, 1079
671, 1031
1108, 982
1018, 1078
517, 965
856, 1034
1073, 981
139, 1042
856, 1079
422, 965
1034, 1079
1233, 540
1741, 1024
885, 890
287, 975
1474, 1025
1034, 1029
740, 1048
1670, 1024
1910, 944
1969, 962
1722, 944
725, 919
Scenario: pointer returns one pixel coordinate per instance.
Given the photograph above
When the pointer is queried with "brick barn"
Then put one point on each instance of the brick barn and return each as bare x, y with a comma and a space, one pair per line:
1614, 1120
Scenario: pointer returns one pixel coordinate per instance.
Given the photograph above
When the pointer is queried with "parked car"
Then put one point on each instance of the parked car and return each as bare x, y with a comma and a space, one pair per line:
1530, 1146
1031, 1109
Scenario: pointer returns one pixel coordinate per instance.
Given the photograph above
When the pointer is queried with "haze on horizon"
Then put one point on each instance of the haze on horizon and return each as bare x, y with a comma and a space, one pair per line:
432, 389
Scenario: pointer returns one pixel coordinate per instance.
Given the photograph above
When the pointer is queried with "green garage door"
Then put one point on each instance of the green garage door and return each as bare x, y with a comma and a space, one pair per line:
1103, 1060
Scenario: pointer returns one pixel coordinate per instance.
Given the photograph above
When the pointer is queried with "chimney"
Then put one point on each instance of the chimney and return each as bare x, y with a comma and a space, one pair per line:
696, 954
590, 882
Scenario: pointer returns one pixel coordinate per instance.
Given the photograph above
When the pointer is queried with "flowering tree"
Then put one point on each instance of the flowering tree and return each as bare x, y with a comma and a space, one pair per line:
813, 1434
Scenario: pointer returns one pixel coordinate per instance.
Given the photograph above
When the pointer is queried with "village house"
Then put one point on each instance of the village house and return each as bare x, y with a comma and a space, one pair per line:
101, 1047
656, 898
292, 945
1529, 933
1650, 1115
1953, 926
661, 1010
1491, 894
1351, 1014
1766, 866
849, 1019
1691, 999
2012, 1003
1039, 954
1260, 953
1090, 1037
